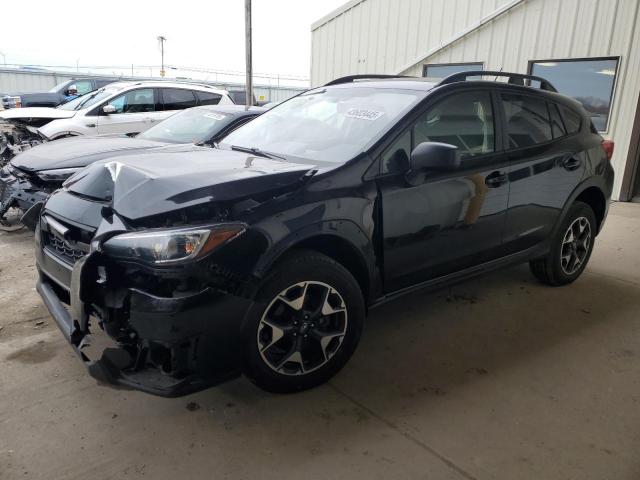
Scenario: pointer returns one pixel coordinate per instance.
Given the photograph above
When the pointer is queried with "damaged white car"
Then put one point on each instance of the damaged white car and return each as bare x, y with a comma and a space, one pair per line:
118, 108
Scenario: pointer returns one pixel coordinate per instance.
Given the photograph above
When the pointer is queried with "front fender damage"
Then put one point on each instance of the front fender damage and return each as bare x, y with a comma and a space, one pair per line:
170, 329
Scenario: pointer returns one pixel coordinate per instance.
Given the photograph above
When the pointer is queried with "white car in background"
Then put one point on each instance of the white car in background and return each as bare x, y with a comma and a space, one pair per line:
118, 108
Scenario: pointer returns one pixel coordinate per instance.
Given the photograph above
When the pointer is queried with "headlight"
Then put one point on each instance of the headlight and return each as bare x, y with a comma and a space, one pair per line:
14, 102
57, 175
170, 246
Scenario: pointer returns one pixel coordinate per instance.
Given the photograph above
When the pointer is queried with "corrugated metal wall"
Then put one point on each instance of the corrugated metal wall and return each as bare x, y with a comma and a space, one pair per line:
383, 35
380, 36
12, 80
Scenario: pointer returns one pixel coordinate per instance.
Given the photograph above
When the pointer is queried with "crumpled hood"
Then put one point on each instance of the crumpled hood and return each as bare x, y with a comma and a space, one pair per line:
79, 151
181, 177
36, 112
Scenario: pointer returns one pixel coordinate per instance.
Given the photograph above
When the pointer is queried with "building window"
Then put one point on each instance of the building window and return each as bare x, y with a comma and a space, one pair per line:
443, 70
590, 81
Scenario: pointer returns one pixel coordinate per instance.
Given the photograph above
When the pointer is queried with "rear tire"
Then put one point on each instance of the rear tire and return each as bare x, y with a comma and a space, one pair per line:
305, 324
570, 249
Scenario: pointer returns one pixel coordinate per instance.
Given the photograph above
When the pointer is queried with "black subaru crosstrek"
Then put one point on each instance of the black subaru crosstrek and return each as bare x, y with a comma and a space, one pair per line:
262, 256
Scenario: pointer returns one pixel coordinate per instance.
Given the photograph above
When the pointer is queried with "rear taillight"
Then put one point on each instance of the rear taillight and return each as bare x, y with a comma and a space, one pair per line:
608, 146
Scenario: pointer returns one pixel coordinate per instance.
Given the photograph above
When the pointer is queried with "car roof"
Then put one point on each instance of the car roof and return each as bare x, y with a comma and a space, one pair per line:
408, 83
430, 84
167, 84
421, 83
94, 78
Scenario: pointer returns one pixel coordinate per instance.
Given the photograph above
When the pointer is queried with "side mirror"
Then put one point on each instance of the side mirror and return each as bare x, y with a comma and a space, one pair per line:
435, 156
109, 109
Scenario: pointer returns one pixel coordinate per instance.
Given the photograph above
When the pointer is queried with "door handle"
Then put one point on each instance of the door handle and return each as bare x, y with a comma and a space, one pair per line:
571, 163
495, 179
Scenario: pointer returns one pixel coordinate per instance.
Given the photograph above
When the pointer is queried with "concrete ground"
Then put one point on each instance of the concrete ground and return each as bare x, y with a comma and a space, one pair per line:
499, 377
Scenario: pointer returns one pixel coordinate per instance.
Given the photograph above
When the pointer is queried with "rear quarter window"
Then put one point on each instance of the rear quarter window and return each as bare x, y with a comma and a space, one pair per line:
572, 120
207, 98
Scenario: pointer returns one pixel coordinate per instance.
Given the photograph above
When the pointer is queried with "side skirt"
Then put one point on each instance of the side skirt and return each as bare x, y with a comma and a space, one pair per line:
440, 282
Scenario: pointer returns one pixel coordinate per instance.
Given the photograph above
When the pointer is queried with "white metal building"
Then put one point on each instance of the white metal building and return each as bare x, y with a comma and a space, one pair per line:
589, 49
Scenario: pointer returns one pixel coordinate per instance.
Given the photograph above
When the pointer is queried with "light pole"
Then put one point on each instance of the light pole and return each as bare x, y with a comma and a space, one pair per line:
162, 39
247, 30
4, 59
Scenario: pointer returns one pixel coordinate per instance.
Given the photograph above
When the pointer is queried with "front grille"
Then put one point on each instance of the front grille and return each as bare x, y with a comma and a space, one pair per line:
66, 242
63, 249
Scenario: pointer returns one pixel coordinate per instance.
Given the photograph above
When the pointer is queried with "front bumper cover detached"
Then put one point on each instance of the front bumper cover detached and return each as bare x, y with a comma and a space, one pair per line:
198, 325
16, 192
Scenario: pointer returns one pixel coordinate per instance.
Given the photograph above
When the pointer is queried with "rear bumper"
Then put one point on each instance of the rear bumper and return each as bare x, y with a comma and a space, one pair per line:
172, 347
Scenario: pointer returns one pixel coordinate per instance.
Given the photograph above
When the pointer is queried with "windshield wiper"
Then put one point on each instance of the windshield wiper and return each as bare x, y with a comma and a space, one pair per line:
258, 152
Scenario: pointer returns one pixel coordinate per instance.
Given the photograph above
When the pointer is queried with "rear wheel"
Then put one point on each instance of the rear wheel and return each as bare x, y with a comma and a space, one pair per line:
571, 248
305, 324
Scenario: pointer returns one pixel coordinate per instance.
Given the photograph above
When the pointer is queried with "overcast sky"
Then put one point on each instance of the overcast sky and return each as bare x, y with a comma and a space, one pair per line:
206, 33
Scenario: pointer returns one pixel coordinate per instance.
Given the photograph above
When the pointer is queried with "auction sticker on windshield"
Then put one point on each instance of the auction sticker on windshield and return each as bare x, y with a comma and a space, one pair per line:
215, 116
364, 114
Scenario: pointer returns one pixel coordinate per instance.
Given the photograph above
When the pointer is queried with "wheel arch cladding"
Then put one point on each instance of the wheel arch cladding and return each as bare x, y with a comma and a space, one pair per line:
343, 252
341, 240
594, 197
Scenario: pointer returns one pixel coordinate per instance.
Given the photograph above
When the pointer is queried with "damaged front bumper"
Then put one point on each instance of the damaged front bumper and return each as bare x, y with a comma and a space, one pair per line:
167, 346
18, 192
16, 137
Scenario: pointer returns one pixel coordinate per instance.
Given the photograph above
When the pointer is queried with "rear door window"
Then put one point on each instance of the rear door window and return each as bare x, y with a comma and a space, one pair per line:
178, 98
527, 120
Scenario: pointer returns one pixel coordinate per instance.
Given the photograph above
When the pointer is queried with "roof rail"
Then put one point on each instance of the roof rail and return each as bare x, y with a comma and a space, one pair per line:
514, 78
179, 81
353, 78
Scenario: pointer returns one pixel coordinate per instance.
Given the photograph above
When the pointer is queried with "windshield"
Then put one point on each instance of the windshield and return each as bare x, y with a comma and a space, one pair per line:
331, 125
194, 125
58, 86
89, 99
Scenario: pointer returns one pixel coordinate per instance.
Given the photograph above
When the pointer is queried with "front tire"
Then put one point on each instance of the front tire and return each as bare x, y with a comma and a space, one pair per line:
305, 324
570, 249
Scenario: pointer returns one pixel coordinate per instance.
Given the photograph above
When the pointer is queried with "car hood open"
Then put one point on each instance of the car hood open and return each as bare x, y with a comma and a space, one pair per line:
181, 177
36, 112
79, 152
